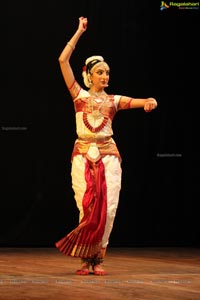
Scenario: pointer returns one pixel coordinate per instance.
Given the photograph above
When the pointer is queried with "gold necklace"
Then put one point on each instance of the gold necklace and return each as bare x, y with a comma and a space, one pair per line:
96, 114
97, 94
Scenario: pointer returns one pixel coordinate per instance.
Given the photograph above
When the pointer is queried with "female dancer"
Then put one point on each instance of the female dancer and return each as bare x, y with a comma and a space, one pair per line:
96, 162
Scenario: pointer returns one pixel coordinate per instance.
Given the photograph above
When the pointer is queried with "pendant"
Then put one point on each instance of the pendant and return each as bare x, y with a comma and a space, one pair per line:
96, 114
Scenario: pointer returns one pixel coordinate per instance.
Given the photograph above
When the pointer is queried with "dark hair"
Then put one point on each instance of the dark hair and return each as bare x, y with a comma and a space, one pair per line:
91, 64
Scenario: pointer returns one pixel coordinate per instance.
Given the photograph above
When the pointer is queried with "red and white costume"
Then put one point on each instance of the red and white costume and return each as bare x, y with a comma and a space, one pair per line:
96, 173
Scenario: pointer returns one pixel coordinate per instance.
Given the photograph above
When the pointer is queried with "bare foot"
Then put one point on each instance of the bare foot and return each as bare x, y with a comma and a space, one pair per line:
84, 269
98, 270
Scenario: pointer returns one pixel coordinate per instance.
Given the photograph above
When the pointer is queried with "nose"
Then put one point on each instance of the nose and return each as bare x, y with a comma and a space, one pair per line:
105, 75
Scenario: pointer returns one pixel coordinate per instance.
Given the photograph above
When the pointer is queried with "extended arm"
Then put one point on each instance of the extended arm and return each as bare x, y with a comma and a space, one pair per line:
148, 104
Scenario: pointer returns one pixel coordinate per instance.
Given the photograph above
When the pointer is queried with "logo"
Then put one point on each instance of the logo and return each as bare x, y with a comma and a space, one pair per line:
179, 5
164, 5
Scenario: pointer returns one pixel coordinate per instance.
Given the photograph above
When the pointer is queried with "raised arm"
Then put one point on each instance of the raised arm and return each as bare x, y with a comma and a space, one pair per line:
64, 57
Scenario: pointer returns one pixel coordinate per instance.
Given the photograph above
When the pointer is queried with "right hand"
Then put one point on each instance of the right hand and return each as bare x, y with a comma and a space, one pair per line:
83, 24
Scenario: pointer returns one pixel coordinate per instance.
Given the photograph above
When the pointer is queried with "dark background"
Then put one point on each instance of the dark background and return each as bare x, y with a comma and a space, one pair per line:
152, 53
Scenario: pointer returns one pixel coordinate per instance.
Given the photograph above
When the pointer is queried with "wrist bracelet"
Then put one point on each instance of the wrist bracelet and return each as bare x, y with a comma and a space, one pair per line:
73, 47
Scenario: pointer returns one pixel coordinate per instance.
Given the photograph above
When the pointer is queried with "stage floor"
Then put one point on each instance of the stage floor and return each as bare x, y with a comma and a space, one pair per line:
144, 273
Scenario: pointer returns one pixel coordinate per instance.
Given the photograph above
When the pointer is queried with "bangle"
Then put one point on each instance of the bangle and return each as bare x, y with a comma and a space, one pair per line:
71, 46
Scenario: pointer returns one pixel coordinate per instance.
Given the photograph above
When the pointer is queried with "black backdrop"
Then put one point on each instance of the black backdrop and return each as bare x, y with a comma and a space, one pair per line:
151, 53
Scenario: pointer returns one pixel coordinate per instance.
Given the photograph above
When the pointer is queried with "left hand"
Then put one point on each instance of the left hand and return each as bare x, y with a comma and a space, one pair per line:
150, 104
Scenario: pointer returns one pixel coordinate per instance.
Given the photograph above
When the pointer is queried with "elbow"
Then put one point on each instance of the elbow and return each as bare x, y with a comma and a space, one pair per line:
60, 59
63, 61
63, 58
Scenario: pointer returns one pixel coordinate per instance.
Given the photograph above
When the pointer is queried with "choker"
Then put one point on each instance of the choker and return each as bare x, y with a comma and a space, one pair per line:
97, 94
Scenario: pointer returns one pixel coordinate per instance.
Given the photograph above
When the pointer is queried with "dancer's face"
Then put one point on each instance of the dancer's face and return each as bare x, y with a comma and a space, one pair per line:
100, 75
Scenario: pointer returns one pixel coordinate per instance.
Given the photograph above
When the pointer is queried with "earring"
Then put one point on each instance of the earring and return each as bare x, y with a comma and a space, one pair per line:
89, 79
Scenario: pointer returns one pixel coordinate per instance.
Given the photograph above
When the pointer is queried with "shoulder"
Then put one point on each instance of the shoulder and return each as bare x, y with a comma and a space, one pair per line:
116, 100
82, 94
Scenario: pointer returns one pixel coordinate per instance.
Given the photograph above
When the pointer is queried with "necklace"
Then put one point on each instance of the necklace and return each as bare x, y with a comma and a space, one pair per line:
95, 107
92, 128
97, 94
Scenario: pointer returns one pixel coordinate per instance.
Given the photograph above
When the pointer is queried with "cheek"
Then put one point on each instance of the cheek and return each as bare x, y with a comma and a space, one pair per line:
95, 78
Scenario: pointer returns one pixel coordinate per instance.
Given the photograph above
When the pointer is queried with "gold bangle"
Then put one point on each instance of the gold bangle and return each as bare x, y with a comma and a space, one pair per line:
73, 47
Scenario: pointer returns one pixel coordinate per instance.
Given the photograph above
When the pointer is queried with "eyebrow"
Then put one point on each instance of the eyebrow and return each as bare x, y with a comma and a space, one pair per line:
101, 69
